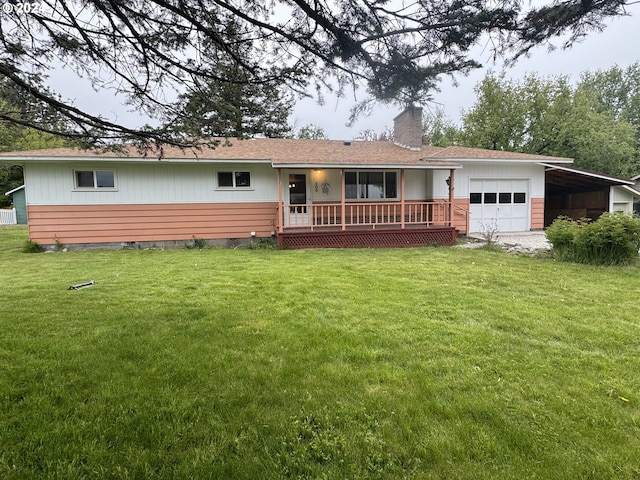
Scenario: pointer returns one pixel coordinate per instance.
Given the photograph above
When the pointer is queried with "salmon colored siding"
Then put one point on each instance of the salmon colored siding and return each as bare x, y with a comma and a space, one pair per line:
460, 213
77, 224
537, 213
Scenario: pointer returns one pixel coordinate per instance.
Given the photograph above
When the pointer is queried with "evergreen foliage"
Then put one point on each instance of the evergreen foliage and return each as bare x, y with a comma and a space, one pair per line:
231, 105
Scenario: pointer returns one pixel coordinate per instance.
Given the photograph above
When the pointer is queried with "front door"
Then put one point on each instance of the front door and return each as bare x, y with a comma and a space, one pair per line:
298, 212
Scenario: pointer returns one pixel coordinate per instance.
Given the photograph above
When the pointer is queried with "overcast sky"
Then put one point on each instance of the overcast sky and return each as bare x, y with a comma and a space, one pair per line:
618, 44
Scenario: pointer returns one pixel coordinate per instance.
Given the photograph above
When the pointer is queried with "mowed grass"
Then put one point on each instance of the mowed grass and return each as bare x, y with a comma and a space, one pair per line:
439, 363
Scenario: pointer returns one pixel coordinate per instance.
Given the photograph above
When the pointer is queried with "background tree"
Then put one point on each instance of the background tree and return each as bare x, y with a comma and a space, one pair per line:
149, 50
439, 131
231, 105
549, 116
311, 132
617, 92
373, 136
15, 137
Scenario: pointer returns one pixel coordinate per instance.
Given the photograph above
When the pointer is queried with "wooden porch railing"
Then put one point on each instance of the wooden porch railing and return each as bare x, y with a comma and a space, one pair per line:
366, 214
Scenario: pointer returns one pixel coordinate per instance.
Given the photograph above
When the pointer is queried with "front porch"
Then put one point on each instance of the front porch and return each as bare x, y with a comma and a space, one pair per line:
370, 208
370, 224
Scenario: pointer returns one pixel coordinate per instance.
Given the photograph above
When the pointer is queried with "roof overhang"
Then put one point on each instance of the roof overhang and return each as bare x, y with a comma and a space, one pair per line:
632, 191
563, 179
370, 166
14, 190
109, 159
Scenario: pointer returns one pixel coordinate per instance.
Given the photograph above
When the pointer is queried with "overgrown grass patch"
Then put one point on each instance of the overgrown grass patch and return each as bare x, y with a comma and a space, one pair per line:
399, 363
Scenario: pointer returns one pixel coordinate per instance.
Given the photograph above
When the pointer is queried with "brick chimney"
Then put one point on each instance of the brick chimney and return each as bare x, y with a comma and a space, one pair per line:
407, 128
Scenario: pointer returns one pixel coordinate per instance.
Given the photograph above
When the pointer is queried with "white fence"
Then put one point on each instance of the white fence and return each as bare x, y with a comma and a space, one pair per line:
8, 217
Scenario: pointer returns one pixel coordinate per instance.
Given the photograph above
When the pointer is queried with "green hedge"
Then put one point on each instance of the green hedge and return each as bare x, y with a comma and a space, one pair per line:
614, 239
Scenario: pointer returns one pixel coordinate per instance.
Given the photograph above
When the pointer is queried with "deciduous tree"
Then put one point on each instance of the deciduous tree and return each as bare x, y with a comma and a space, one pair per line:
549, 116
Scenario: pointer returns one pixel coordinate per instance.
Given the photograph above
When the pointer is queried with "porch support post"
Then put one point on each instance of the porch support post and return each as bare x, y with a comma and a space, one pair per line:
451, 188
402, 206
343, 195
280, 204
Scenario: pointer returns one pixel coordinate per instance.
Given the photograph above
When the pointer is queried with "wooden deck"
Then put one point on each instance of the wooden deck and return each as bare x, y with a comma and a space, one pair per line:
368, 224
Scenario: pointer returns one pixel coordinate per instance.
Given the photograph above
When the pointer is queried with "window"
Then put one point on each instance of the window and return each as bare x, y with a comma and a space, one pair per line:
519, 198
504, 198
490, 197
95, 179
234, 179
371, 185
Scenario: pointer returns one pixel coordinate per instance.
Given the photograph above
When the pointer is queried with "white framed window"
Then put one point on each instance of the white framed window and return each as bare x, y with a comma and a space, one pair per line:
94, 179
234, 179
370, 185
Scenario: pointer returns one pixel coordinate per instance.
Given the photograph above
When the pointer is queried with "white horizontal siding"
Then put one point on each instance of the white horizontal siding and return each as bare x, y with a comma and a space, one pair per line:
53, 184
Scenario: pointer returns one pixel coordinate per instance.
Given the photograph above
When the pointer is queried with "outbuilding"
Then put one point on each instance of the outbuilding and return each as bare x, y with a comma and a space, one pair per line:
19, 203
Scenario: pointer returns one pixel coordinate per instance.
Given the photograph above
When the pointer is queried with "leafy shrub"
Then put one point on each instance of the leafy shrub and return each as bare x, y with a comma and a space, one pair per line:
32, 247
561, 234
614, 239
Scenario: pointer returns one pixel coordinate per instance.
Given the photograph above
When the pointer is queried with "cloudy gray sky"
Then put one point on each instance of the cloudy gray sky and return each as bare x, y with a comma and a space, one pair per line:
618, 44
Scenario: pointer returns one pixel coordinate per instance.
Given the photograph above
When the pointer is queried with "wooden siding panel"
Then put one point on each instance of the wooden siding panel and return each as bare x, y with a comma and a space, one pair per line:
460, 213
537, 213
72, 224
460, 219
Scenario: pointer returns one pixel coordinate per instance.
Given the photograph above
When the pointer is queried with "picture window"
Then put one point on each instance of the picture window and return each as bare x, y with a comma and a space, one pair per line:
371, 185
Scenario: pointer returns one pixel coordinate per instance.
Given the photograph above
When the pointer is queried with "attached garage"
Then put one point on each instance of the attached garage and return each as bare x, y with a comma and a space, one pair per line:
503, 204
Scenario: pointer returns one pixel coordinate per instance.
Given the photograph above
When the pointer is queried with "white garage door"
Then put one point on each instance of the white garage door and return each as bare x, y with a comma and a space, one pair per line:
499, 204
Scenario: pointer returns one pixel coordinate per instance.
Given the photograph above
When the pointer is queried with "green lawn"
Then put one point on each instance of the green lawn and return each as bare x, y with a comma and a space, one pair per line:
439, 363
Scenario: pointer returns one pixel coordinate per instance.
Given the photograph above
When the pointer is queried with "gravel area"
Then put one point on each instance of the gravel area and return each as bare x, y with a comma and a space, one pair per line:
524, 239
518, 241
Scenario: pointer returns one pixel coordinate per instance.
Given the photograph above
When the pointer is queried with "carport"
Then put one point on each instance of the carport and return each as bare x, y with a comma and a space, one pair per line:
578, 193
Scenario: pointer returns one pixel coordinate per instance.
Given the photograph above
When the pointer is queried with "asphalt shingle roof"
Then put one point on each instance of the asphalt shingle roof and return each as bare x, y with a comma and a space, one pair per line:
288, 152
